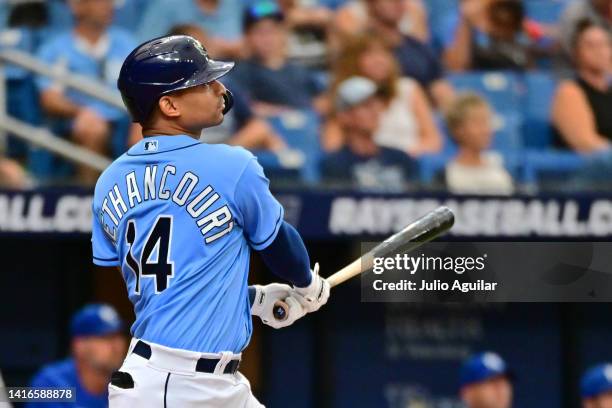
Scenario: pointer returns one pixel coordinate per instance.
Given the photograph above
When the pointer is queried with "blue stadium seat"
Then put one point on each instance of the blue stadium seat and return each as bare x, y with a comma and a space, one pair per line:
300, 129
541, 166
544, 11
537, 130
502, 89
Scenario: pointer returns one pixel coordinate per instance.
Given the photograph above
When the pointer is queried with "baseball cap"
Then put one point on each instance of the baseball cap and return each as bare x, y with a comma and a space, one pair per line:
596, 380
259, 11
483, 366
95, 320
353, 91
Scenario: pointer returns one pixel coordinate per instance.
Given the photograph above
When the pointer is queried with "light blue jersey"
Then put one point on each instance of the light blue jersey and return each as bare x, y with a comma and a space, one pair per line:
179, 218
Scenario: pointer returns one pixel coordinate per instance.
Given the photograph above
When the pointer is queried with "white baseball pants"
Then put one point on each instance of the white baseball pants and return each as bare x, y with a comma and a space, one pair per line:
168, 379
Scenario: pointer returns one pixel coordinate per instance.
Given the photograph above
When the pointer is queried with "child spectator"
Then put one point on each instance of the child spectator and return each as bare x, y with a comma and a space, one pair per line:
487, 35
361, 162
474, 170
90, 48
271, 82
407, 122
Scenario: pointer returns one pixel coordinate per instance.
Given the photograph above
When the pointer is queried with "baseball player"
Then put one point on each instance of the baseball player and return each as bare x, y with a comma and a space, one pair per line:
179, 218
97, 348
596, 387
485, 382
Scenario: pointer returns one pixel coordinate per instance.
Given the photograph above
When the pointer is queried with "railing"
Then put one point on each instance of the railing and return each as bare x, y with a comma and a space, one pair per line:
42, 137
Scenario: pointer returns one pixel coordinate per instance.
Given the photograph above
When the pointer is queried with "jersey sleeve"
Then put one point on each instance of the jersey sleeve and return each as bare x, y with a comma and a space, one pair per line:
261, 215
44, 380
103, 249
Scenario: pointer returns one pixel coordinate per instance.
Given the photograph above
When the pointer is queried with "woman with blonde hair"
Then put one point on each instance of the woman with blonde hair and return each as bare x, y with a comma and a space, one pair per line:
407, 123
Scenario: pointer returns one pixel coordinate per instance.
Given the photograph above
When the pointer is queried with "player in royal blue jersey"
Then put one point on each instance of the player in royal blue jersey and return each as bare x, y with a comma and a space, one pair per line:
179, 218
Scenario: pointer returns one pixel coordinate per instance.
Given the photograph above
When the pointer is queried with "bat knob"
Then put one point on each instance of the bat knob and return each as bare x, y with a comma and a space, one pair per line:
280, 311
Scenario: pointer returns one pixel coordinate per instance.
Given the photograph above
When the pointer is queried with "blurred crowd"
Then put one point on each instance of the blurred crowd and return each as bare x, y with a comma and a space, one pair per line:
471, 96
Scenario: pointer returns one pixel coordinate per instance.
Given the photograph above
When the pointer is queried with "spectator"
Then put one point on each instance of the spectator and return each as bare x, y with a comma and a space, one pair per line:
474, 170
487, 34
485, 381
416, 59
598, 11
361, 161
407, 122
128, 13
98, 348
270, 81
221, 19
581, 107
596, 387
352, 18
91, 49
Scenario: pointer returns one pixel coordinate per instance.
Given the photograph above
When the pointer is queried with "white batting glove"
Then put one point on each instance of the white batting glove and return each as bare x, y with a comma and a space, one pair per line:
265, 298
314, 295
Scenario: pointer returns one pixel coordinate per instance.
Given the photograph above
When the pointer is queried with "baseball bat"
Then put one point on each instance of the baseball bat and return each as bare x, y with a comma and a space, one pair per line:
424, 229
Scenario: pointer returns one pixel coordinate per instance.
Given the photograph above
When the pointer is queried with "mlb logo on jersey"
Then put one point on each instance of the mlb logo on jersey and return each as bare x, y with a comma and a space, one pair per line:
150, 146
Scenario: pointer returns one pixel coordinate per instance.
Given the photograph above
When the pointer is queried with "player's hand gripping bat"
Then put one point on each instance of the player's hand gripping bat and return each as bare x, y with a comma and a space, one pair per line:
424, 229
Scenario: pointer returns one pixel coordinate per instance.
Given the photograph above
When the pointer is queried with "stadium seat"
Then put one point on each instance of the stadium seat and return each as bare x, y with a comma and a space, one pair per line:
537, 130
300, 130
544, 11
502, 89
540, 166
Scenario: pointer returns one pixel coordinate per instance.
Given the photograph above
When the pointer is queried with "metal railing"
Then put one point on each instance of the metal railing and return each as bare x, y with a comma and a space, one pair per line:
42, 137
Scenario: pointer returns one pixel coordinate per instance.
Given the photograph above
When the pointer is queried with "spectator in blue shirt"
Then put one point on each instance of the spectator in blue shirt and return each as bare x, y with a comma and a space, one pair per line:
97, 349
596, 387
361, 162
220, 19
270, 81
128, 14
90, 48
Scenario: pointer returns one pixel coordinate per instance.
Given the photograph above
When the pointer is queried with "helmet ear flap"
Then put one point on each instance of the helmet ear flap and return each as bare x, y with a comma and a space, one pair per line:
229, 101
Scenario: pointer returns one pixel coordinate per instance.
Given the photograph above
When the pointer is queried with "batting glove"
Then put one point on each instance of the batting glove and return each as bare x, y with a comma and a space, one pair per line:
315, 295
265, 299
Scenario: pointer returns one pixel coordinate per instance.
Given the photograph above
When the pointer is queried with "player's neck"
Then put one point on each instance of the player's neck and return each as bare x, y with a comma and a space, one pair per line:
169, 131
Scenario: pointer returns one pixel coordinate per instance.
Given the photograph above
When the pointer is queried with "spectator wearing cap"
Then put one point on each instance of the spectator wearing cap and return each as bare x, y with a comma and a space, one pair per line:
91, 48
407, 122
97, 349
485, 382
270, 81
361, 162
221, 19
596, 387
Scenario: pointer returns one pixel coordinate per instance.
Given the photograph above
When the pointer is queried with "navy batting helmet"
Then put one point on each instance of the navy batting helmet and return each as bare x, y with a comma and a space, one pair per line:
164, 65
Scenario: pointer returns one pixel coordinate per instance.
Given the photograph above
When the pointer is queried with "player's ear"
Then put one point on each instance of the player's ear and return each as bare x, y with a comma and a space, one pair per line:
167, 106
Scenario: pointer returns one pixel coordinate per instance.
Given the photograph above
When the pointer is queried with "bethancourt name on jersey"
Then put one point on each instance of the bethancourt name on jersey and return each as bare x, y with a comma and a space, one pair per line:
154, 189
